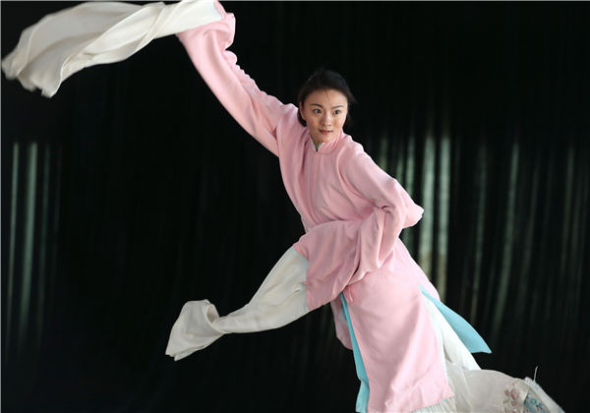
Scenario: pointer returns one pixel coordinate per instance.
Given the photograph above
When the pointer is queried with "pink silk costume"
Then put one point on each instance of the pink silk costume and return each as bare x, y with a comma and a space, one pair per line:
353, 213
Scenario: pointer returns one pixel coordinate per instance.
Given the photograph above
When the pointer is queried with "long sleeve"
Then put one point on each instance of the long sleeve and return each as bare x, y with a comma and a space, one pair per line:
91, 33
343, 252
394, 211
257, 112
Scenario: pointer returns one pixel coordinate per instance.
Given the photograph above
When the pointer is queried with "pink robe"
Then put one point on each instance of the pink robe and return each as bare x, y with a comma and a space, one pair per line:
353, 213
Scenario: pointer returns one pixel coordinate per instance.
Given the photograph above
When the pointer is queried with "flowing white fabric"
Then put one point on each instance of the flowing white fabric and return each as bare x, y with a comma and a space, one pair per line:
280, 300
481, 391
92, 33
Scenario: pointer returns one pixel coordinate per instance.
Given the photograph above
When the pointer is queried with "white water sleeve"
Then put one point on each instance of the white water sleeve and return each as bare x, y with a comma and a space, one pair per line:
92, 33
280, 300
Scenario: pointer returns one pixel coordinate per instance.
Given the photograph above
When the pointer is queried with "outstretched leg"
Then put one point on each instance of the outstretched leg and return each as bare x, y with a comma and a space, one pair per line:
280, 300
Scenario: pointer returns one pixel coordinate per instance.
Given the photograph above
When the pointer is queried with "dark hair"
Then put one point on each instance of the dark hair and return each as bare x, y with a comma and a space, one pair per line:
324, 79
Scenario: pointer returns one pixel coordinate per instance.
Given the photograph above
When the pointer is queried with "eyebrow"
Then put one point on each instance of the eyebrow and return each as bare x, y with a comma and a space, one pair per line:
333, 107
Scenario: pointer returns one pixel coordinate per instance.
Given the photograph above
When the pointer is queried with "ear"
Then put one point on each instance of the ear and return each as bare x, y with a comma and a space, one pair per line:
301, 110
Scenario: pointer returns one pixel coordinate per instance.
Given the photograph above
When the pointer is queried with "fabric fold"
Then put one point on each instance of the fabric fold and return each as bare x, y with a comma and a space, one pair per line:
468, 335
92, 33
280, 300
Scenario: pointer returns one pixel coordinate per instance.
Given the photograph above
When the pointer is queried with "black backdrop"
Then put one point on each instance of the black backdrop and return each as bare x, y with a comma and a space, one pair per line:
132, 191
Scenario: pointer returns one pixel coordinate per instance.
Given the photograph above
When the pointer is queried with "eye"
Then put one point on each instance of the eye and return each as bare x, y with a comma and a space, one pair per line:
337, 112
317, 111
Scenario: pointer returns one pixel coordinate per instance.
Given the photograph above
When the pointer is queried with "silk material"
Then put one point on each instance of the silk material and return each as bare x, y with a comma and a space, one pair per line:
468, 335
280, 300
362, 399
353, 213
92, 33
368, 242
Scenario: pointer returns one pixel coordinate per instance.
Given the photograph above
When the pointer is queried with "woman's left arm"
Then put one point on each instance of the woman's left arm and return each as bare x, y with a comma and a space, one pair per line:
394, 210
343, 252
385, 192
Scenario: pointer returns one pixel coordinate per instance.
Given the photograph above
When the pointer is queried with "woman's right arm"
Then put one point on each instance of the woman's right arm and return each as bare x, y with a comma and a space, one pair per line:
257, 112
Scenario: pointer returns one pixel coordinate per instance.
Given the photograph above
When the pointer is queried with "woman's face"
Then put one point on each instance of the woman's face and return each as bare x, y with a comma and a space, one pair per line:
325, 113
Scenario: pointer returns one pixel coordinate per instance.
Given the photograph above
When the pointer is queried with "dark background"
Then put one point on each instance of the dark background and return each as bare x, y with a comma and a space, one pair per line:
132, 191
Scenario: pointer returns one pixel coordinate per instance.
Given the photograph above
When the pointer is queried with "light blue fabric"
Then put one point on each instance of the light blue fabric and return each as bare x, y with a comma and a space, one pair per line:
468, 335
362, 400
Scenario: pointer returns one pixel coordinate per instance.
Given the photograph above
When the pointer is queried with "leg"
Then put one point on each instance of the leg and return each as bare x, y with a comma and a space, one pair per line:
280, 300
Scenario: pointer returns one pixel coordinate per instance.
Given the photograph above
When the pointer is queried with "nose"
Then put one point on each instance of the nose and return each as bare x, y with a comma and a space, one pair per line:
326, 119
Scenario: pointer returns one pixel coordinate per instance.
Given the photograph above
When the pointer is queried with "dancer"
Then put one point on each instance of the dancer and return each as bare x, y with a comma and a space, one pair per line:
411, 352
407, 354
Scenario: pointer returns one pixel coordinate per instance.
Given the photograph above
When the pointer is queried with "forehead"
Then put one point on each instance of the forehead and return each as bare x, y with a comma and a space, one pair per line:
326, 98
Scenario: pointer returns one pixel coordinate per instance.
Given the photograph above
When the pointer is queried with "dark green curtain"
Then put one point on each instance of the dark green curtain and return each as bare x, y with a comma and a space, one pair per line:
133, 191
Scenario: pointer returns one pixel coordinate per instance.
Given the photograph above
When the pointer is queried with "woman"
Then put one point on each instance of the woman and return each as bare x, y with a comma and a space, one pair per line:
408, 355
353, 213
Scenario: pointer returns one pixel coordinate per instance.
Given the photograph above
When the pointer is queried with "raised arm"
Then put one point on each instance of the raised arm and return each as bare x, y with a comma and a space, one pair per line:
257, 112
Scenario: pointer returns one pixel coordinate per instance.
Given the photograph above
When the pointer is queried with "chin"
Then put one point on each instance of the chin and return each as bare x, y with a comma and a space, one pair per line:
324, 139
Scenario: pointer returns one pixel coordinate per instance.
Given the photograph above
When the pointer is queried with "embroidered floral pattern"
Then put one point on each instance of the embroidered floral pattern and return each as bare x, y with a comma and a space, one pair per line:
532, 405
513, 398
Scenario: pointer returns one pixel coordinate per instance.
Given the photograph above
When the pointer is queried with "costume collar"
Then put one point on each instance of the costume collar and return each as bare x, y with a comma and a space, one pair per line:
325, 147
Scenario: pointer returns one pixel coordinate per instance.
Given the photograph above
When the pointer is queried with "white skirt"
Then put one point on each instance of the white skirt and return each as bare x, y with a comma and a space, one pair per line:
478, 390
282, 299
